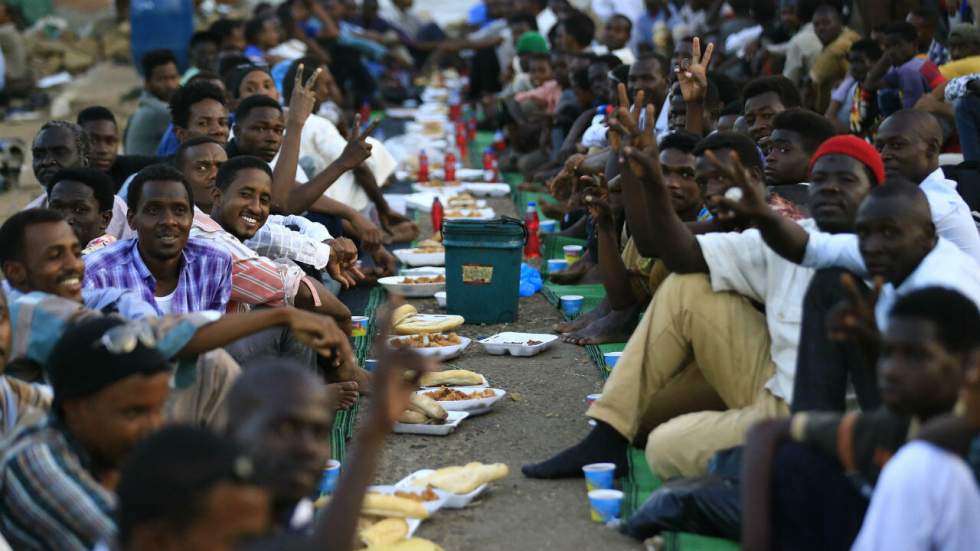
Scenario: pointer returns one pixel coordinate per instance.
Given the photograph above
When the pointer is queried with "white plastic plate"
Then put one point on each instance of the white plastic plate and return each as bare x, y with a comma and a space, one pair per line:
455, 417
414, 258
482, 189
442, 352
454, 502
515, 344
419, 187
475, 407
424, 271
430, 506
394, 285
469, 174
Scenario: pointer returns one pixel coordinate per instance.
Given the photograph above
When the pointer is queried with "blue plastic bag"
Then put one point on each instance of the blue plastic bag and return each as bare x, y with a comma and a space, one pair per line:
530, 281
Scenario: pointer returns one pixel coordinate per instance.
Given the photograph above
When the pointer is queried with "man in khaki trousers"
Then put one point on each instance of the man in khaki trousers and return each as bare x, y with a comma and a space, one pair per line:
716, 350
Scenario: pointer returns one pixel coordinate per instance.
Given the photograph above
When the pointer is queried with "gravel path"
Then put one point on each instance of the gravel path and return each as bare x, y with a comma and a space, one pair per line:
543, 413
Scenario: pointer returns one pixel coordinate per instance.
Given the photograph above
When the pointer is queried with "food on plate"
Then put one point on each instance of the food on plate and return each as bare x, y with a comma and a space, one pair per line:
428, 340
428, 494
410, 544
429, 246
533, 342
384, 505
428, 407
446, 394
462, 480
435, 182
407, 321
420, 280
384, 532
412, 417
451, 377
461, 201
463, 214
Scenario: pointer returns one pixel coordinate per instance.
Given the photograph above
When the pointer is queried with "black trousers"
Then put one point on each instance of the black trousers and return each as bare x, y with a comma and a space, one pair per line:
823, 366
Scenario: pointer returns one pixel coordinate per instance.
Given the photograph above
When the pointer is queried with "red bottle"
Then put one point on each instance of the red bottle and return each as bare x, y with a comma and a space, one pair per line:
488, 172
461, 140
450, 167
471, 129
532, 249
365, 113
499, 141
423, 167
436, 215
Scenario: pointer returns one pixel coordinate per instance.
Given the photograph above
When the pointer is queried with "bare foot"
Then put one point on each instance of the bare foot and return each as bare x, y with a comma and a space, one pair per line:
568, 326
616, 326
357, 375
572, 274
342, 395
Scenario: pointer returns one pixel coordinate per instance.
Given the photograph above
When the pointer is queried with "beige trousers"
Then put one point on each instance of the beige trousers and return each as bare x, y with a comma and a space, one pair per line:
694, 371
202, 403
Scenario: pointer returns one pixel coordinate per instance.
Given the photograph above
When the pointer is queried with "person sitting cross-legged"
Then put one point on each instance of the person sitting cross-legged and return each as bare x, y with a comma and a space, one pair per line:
613, 319
806, 479
702, 343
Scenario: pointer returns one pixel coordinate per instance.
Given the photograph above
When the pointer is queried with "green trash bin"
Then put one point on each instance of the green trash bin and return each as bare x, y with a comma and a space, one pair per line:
483, 268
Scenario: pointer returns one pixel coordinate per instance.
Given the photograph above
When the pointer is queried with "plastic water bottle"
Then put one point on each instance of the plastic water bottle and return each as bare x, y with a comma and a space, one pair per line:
423, 167
436, 214
161, 24
499, 141
532, 249
450, 167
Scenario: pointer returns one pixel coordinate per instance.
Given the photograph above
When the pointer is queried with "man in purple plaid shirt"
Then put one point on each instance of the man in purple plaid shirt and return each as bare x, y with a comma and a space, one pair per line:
173, 273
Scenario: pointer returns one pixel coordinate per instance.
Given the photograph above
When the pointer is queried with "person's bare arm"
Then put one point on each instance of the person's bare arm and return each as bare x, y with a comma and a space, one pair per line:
284, 174
329, 29
578, 128
615, 277
395, 380
875, 77
319, 332
760, 449
302, 197
781, 234
693, 80
365, 230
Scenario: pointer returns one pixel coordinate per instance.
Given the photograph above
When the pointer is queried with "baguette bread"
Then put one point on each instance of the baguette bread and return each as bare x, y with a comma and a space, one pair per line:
428, 407
385, 532
410, 544
460, 377
412, 417
381, 505
463, 480
405, 320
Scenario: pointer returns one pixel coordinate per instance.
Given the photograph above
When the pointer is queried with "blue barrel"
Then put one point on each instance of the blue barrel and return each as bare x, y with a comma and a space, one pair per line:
161, 24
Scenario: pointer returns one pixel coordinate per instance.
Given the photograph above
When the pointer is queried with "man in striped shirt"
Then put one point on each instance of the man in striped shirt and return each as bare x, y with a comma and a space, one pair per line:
175, 274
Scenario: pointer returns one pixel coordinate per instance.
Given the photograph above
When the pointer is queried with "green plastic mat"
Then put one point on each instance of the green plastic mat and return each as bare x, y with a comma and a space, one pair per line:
343, 425
592, 293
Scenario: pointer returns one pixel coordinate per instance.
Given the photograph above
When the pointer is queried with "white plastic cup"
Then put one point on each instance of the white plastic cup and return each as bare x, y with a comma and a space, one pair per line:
572, 253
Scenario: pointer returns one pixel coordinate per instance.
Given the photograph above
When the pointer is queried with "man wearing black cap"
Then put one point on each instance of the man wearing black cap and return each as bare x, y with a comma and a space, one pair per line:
57, 478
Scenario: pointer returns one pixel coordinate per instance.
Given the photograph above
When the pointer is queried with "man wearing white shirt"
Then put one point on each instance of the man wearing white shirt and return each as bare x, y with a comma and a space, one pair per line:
909, 141
702, 338
897, 243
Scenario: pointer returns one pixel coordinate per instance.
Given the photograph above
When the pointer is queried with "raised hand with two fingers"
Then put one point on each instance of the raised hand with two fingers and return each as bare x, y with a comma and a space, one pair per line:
303, 99
745, 198
357, 149
693, 75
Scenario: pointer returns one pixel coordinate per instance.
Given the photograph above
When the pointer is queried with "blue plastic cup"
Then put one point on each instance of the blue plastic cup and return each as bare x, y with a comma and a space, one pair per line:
599, 476
591, 398
604, 505
547, 226
571, 305
611, 358
556, 264
369, 365
328, 482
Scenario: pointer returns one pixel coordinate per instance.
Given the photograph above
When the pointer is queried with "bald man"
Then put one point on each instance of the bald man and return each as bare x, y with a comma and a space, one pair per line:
909, 142
282, 415
897, 242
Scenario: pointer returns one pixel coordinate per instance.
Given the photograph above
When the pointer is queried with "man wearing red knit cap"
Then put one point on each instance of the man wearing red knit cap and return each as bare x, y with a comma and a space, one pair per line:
707, 312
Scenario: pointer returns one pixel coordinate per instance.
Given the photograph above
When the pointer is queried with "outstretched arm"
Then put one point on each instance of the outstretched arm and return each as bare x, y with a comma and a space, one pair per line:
746, 199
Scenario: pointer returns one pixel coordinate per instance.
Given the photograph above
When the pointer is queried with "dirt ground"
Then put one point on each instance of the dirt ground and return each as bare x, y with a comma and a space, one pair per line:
104, 84
543, 412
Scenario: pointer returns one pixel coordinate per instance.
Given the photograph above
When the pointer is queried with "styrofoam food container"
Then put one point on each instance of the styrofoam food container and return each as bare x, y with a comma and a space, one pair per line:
443, 352
441, 298
475, 407
408, 256
430, 506
423, 271
515, 344
419, 187
394, 285
469, 174
454, 501
485, 189
455, 417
